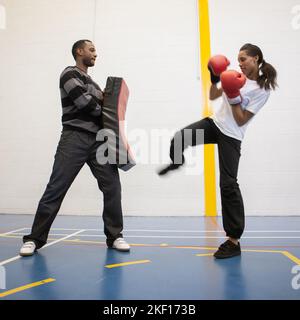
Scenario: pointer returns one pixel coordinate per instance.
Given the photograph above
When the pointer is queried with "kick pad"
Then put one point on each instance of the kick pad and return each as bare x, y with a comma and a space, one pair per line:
113, 117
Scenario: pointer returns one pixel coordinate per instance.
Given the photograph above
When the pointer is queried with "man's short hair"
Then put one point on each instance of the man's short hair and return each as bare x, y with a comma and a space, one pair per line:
78, 44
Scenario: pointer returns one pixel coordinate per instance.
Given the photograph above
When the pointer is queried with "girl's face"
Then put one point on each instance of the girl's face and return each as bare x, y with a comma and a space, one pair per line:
248, 64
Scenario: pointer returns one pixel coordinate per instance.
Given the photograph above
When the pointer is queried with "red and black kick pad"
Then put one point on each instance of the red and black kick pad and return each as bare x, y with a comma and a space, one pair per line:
113, 116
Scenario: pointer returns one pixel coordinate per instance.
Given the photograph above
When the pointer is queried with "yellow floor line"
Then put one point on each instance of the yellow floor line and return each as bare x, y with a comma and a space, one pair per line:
264, 251
126, 263
194, 247
2, 235
165, 245
26, 287
104, 243
204, 254
291, 257
285, 253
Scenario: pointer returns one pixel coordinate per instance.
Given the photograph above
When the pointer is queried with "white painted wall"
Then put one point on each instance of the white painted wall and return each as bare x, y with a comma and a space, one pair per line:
154, 46
269, 167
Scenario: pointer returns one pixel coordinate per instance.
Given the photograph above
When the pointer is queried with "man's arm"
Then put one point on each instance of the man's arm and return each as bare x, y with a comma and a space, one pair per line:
241, 116
77, 92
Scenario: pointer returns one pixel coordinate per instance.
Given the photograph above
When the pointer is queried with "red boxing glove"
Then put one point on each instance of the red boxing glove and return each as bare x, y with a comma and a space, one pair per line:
232, 81
216, 65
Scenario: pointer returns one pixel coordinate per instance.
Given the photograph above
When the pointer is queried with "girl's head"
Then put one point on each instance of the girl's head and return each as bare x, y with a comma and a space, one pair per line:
254, 66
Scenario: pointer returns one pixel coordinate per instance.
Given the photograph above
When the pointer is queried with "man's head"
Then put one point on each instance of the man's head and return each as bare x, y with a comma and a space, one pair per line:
85, 52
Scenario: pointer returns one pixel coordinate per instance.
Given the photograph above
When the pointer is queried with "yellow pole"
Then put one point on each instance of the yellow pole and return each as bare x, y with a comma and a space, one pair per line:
210, 208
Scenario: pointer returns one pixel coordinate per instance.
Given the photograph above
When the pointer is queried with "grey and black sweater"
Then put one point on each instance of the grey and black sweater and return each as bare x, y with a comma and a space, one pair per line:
81, 100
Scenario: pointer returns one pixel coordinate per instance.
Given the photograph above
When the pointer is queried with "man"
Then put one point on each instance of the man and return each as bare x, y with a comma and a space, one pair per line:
81, 101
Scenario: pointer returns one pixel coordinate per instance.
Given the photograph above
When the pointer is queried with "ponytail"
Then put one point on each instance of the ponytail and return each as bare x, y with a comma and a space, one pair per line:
267, 74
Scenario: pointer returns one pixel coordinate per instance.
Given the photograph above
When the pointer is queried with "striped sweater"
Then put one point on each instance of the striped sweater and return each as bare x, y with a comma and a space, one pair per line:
81, 100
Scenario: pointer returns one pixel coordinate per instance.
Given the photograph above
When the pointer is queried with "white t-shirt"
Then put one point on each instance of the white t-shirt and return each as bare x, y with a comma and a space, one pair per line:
254, 99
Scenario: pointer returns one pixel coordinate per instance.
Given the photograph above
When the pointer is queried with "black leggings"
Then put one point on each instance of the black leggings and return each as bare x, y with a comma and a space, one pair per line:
229, 155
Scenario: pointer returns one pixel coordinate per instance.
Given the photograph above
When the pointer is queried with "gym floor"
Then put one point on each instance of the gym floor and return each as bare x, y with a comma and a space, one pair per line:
171, 258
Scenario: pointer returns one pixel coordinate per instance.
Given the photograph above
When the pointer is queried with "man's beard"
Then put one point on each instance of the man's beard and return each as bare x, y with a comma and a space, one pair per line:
88, 62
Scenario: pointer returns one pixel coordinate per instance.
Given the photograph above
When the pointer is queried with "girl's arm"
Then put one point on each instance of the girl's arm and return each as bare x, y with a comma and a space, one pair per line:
241, 116
215, 92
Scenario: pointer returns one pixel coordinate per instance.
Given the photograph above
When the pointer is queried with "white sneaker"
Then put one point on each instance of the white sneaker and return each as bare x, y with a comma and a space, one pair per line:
121, 245
28, 249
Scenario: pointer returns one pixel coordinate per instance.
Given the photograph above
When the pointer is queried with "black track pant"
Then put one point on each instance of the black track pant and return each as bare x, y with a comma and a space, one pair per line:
76, 148
229, 155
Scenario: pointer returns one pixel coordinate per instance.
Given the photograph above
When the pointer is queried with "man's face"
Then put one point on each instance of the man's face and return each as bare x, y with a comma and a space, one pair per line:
88, 54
